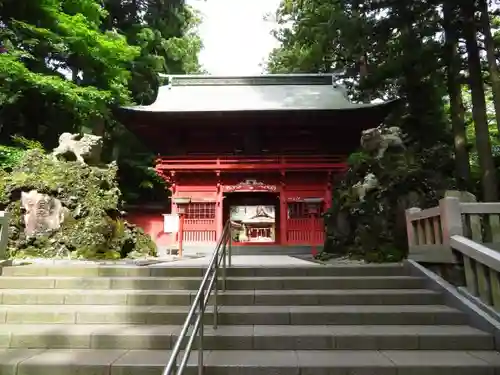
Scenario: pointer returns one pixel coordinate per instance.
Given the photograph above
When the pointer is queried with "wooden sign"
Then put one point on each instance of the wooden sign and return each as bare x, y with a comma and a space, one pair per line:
170, 223
250, 186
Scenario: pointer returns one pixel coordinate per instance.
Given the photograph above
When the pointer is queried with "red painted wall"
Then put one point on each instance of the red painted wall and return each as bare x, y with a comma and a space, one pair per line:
152, 223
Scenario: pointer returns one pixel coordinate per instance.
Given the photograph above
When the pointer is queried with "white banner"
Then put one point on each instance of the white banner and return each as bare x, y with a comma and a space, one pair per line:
170, 223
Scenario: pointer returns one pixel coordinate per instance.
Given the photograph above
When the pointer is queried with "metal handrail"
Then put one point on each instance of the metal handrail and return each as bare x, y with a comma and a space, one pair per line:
197, 310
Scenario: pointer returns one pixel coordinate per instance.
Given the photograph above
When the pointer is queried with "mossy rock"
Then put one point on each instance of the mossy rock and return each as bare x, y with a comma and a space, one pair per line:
374, 230
94, 229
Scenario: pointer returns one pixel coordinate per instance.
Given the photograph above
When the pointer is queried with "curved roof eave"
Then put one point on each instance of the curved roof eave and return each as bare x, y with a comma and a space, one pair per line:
244, 98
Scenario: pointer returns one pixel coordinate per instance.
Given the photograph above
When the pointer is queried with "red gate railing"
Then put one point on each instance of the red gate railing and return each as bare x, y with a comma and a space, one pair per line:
331, 162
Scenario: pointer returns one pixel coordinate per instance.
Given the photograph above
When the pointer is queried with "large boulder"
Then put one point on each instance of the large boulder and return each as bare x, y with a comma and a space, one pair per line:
374, 228
67, 209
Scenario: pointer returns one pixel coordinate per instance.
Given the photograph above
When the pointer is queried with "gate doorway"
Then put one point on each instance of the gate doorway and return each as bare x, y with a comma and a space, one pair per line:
255, 217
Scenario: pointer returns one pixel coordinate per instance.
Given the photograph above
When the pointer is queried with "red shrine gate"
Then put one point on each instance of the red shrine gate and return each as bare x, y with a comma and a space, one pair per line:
296, 191
261, 151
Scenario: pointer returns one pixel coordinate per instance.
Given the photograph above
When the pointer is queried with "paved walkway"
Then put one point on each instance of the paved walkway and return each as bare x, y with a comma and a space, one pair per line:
243, 260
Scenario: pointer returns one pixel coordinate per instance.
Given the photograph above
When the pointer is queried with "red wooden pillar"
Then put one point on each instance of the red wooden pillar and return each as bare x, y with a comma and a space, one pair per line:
283, 218
283, 210
173, 191
328, 197
173, 211
219, 223
328, 192
174, 207
181, 232
181, 203
219, 220
313, 232
174, 237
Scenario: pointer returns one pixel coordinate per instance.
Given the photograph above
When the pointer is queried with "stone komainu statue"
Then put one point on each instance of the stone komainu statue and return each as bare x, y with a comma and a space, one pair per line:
379, 139
369, 183
85, 148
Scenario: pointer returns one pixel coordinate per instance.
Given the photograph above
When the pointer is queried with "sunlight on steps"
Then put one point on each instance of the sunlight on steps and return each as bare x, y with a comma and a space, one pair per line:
290, 319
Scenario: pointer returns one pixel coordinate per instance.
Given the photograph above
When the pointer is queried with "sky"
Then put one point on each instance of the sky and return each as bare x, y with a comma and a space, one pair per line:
235, 36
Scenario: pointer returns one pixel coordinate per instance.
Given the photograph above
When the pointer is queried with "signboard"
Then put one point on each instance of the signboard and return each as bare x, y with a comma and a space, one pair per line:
170, 223
302, 199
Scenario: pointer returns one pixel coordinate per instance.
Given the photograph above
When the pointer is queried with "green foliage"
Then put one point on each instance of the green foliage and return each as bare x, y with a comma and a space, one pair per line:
51, 36
139, 181
50, 89
402, 53
68, 64
94, 228
471, 136
165, 31
28, 144
10, 156
381, 50
374, 229
357, 158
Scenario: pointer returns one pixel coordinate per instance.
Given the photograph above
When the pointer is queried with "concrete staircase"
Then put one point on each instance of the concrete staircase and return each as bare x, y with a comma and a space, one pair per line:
327, 320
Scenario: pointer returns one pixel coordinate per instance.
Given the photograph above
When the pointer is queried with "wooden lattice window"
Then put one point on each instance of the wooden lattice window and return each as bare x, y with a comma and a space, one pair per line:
300, 210
205, 210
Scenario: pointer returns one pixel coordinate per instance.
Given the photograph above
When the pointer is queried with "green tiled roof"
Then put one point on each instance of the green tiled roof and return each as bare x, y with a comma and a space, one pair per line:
273, 92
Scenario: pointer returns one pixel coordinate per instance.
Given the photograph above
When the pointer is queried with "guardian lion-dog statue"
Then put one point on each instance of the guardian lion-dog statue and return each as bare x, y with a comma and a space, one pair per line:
370, 182
85, 148
380, 139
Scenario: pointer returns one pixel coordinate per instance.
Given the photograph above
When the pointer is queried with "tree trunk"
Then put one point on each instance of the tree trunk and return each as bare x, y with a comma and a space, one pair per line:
359, 15
490, 56
483, 144
456, 103
412, 84
363, 75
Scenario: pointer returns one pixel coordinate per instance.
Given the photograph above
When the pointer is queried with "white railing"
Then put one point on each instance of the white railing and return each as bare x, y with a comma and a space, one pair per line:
4, 234
430, 231
481, 268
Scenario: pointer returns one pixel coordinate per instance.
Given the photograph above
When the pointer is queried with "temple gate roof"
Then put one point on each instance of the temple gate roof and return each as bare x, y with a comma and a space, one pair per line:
273, 92
278, 104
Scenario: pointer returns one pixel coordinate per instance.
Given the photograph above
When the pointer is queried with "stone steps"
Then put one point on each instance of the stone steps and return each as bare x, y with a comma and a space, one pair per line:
384, 270
221, 362
193, 283
259, 337
230, 297
335, 320
239, 315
